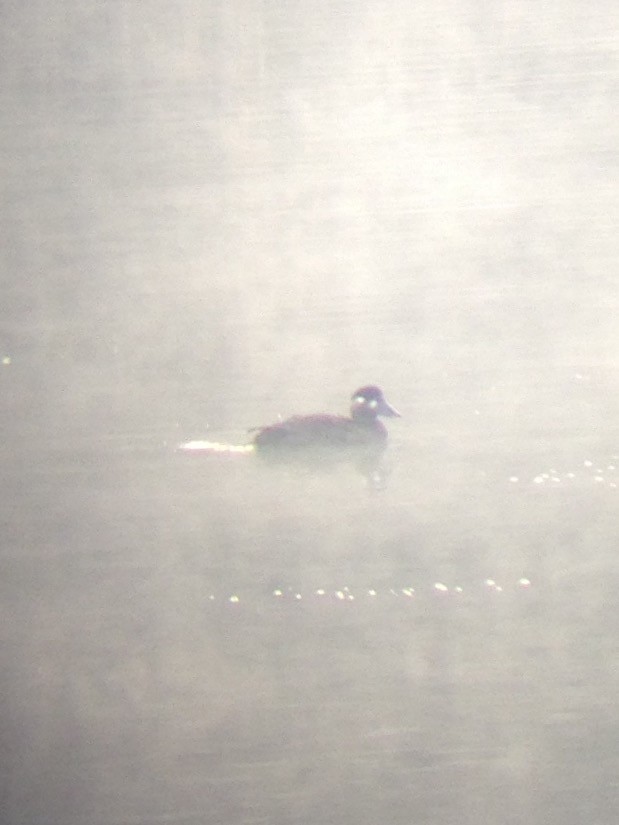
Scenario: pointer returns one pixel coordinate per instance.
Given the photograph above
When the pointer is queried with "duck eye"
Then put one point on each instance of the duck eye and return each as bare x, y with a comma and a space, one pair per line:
373, 403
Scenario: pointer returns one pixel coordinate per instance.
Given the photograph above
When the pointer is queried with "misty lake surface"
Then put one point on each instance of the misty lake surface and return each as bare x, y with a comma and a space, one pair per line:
219, 214
207, 639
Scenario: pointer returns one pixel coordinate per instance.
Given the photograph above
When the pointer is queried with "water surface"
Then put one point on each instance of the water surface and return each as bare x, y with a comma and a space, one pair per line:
218, 214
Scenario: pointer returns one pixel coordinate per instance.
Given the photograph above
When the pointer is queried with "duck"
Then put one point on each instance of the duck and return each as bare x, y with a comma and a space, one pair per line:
359, 434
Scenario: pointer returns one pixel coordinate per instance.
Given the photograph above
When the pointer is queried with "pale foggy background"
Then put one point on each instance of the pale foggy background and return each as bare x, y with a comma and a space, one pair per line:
216, 213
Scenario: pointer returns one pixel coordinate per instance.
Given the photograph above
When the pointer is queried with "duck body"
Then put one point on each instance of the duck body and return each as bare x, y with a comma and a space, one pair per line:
333, 436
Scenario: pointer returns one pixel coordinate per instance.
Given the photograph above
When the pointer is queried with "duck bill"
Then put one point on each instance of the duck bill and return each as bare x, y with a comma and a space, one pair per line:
387, 410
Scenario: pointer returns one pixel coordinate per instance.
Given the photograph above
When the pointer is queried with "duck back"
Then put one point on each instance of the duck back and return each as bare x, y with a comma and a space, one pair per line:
320, 431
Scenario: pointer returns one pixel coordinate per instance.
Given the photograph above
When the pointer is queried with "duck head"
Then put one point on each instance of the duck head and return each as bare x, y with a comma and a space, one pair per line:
368, 403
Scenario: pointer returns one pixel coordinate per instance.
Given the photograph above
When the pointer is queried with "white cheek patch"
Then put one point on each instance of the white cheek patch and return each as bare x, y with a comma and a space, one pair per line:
362, 401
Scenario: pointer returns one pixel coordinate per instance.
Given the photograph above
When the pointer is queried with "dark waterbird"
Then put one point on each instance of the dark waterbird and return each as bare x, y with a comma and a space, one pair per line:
321, 439
360, 433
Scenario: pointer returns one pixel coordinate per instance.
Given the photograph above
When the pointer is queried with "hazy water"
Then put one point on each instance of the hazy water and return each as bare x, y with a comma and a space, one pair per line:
217, 214
169, 654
